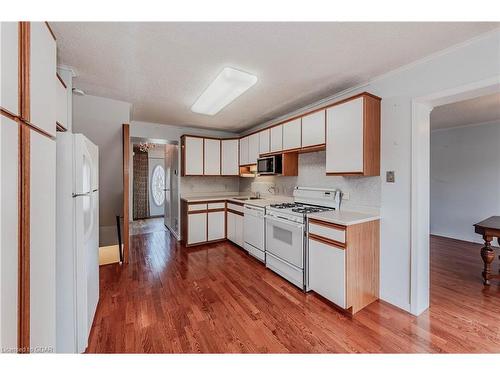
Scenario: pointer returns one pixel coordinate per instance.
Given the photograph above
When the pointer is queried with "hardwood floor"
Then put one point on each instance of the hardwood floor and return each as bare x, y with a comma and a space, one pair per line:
217, 299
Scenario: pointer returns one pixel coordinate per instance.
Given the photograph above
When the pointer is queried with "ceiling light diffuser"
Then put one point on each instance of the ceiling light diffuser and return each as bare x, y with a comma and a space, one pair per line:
227, 86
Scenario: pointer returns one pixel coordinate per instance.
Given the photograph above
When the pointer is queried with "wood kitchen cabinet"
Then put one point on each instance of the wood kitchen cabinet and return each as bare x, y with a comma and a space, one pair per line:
353, 137
9, 65
313, 129
61, 104
192, 152
211, 157
253, 148
344, 262
203, 222
276, 138
292, 135
42, 72
230, 157
244, 159
264, 141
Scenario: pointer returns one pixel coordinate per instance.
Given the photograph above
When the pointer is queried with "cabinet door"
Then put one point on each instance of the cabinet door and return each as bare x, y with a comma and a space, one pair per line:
244, 151
9, 161
193, 155
327, 272
212, 157
42, 241
344, 137
264, 139
42, 77
253, 148
239, 230
291, 134
9, 65
277, 138
216, 225
197, 228
230, 157
313, 129
61, 104
231, 227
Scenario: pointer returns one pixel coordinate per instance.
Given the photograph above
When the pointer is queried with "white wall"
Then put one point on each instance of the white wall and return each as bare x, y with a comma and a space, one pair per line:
470, 62
101, 120
465, 179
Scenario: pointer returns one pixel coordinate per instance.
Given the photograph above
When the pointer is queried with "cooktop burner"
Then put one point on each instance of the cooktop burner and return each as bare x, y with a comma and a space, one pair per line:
308, 210
285, 205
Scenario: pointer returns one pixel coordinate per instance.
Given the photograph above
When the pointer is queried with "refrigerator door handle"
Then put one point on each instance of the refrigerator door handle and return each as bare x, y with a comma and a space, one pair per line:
93, 191
81, 194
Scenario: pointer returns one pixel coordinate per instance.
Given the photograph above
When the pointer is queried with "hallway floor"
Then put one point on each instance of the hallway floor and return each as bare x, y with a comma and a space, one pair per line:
216, 299
143, 226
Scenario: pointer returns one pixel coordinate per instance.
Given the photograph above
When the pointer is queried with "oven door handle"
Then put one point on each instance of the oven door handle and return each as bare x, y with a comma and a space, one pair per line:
284, 221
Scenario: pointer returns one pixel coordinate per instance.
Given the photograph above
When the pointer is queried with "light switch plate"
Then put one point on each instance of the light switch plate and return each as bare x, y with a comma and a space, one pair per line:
390, 176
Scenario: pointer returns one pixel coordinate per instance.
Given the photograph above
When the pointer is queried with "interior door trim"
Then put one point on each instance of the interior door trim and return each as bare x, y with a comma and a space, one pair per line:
126, 191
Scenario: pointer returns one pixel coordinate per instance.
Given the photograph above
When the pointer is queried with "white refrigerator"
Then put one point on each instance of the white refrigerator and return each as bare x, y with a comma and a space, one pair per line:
77, 236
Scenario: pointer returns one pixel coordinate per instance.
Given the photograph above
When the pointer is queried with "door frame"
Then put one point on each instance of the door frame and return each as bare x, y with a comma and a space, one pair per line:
126, 191
420, 182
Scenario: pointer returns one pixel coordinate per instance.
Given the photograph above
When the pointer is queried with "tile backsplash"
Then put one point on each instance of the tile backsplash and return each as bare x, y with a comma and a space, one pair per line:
363, 191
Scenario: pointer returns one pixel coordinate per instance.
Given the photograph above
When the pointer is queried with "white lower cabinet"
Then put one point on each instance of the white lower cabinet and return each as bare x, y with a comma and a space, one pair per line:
216, 225
197, 228
327, 271
235, 228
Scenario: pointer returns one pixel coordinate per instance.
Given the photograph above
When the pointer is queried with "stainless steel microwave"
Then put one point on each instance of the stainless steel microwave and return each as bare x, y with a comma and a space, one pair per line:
269, 165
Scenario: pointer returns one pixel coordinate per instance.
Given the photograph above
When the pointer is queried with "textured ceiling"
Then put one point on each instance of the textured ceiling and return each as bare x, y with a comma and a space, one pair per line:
162, 68
468, 112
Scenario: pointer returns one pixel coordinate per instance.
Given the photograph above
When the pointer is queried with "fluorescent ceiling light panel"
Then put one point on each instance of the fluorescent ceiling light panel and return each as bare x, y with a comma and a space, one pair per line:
227, 86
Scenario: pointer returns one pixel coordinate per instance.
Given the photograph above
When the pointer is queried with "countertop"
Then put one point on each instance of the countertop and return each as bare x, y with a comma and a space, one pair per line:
344, 217
261, 202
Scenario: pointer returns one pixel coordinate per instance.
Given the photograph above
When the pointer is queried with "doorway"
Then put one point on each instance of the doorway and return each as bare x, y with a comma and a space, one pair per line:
153, 185
420, 183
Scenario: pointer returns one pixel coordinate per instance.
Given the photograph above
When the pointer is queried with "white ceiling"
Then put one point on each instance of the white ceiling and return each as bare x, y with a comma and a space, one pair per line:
468, 112
162, 68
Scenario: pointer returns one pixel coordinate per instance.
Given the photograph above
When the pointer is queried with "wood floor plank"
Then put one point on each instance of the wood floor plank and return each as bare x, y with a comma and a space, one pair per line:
217, 299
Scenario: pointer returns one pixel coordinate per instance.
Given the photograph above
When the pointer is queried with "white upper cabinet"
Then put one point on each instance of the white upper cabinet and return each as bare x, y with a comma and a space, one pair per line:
344, 137
291, 134
264, 138
244, 160
62, 103
9, 64
42, 78
212, 157
277, 138
313, 129
193, 156
253, 148
230, 165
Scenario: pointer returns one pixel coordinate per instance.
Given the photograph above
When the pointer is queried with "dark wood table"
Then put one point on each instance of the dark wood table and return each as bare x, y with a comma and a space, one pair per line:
489, 229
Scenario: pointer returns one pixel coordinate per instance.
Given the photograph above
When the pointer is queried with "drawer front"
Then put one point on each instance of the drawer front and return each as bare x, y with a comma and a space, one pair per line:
212, 206
234, 207
331, 233
327, 275
197, 207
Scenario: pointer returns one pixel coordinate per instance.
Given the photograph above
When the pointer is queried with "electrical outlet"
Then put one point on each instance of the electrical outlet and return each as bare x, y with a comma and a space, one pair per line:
390, 176
345, 196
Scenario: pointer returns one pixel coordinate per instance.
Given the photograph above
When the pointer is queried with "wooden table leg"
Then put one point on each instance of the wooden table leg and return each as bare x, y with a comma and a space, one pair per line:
487, 254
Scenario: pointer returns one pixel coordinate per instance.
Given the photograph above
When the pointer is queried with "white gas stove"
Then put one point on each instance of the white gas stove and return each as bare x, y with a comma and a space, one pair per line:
286, 237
